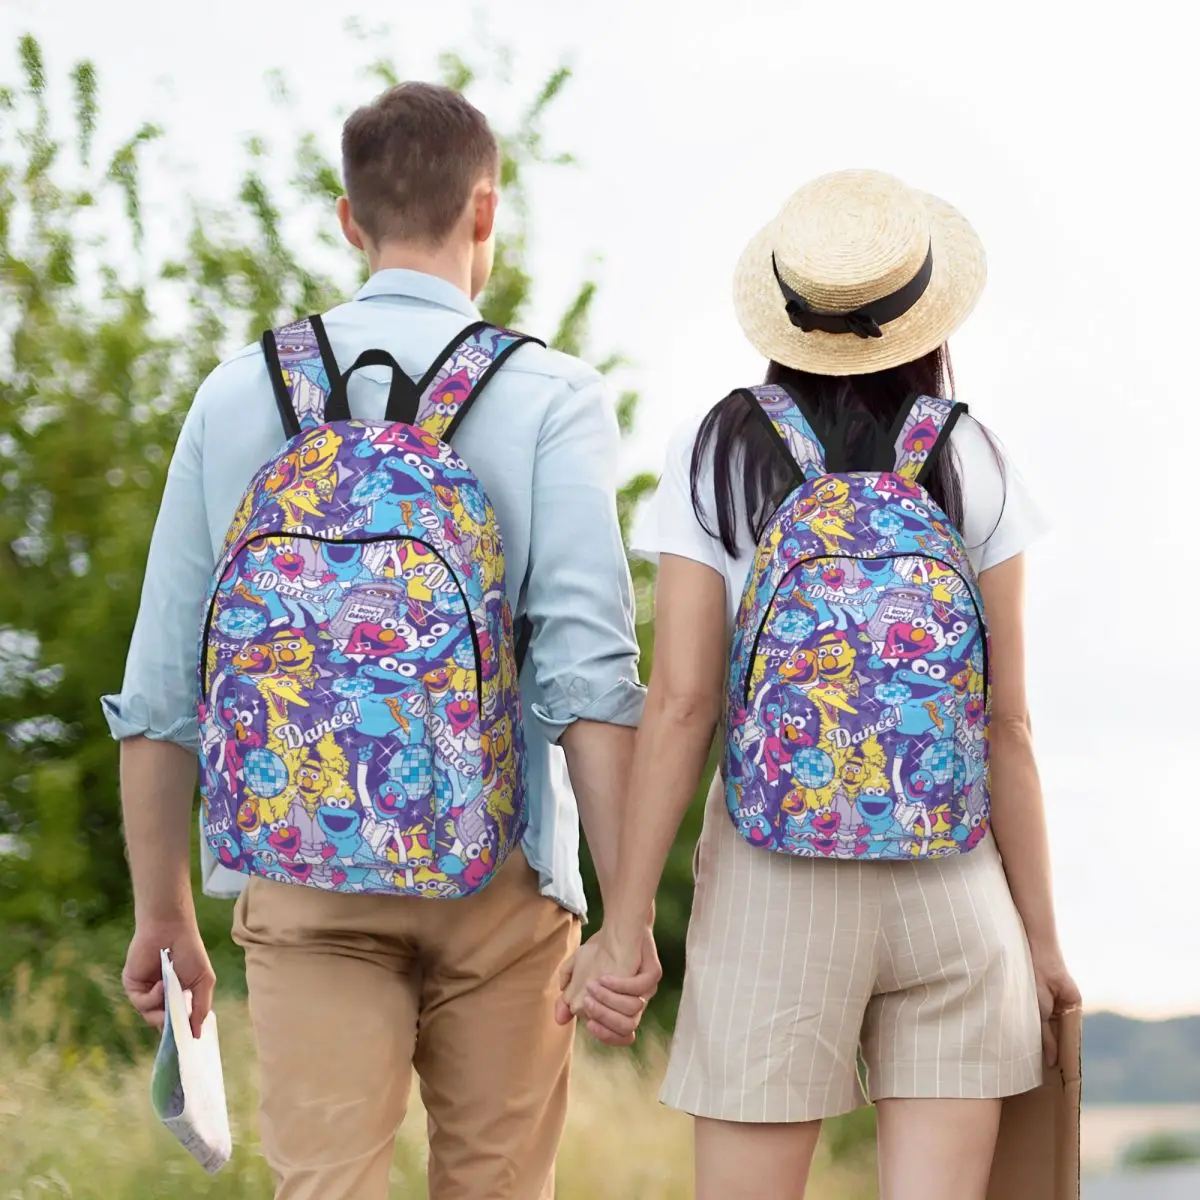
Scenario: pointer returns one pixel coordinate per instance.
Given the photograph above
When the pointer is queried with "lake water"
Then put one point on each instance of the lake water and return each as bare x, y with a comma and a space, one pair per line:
1162, 1183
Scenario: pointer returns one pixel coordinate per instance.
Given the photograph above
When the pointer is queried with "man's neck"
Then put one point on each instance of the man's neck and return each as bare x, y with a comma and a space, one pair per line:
451, 263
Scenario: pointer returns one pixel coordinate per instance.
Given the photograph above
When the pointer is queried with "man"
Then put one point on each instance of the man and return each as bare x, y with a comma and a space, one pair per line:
349, 992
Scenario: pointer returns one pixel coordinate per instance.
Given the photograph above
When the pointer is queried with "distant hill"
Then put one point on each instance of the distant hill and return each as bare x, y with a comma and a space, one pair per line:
1140, 1062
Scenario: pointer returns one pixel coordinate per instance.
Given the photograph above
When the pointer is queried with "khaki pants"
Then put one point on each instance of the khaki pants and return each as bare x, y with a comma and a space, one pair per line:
349, 993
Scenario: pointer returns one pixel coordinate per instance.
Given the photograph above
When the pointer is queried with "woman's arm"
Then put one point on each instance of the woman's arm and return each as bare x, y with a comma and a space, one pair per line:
683, 705
1018, 814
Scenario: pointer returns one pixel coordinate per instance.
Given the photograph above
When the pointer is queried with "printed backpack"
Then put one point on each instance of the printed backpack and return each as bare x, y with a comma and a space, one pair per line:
857, 709
359, 707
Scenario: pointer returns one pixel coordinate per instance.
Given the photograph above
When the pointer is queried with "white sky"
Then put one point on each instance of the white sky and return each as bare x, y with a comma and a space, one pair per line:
1068, 139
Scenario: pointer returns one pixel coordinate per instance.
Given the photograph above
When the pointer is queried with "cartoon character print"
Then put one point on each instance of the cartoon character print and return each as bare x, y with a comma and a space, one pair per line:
793, 427
755, 828
973, 827
841, 595
302, 481
458, 376
857, 706
280, 577
829, 512
424, 577
390, 496
790, 722
234, 723
919, 434
837, 683
404, 439
361, 729
303, 370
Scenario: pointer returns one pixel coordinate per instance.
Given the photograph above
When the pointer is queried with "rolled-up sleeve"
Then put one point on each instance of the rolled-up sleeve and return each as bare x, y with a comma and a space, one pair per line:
579, 596
158, 697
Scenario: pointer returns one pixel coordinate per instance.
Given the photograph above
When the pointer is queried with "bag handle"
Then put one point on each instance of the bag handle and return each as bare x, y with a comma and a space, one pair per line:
403, 396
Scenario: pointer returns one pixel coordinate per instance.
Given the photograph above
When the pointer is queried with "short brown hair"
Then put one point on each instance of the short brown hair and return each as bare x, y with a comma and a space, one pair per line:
410, 159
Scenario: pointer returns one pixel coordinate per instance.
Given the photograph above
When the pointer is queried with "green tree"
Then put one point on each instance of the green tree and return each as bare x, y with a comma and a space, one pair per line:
93, 386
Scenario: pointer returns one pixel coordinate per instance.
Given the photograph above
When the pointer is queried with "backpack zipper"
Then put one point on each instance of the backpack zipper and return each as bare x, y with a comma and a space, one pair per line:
367, 541
869, 558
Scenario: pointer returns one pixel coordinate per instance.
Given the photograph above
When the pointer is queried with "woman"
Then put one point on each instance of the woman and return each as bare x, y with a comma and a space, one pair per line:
861, 900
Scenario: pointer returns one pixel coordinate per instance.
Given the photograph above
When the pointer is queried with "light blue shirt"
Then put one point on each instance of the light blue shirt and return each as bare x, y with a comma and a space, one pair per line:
543, 440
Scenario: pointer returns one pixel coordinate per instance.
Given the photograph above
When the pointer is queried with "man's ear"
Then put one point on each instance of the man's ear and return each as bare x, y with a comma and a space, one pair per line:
350, 230
486, 199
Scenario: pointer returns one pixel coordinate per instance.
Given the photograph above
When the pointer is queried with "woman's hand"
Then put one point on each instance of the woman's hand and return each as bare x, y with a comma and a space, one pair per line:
1057, 993
609, 986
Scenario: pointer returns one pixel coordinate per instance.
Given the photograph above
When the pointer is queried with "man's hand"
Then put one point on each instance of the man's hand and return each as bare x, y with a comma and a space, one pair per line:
609, 989
142, 976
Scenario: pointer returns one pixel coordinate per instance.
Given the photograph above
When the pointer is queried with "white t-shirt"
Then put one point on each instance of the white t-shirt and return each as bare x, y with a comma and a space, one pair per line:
999, 516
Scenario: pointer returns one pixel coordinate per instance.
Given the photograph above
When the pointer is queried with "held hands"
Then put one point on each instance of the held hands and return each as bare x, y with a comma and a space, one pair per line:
609, 986
142, 976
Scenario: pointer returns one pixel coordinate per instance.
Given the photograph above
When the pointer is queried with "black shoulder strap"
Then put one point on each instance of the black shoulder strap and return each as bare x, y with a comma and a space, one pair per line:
302, 368
460, 373
524, 637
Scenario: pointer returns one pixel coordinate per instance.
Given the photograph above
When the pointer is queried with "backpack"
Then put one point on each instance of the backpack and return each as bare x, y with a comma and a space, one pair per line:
359, 706
857, 706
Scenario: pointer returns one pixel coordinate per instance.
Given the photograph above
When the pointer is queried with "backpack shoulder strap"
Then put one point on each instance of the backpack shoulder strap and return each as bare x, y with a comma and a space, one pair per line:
302, 369
460, 373
793, 428
922, 429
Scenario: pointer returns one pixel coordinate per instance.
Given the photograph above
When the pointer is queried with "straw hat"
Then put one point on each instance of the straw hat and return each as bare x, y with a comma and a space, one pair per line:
857, 273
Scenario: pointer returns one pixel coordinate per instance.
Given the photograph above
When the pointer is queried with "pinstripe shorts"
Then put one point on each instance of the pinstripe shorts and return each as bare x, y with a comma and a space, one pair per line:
797, 967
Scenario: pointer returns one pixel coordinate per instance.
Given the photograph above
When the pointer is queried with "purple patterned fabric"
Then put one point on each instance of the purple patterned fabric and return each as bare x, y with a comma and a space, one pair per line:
792, 426
919, 434
304, 373
857, 709
459, 375
360, 712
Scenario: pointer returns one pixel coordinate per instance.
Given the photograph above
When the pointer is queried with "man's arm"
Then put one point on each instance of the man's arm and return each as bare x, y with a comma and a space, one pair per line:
599, 756
600, 759
579, 597
158, 782
155, 719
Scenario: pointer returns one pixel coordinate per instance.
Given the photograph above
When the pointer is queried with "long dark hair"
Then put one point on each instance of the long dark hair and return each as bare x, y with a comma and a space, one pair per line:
856, 412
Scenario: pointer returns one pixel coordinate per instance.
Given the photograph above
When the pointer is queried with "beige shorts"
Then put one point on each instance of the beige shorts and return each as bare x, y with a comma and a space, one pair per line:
795, 966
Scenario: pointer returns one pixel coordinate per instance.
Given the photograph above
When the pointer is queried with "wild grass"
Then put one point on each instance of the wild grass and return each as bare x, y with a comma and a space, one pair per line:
75, 1121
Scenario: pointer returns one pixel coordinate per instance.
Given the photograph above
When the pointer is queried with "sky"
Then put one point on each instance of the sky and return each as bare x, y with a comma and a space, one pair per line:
1063, 134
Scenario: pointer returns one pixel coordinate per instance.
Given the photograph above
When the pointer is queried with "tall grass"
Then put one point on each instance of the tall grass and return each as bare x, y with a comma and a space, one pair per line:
76, 1122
